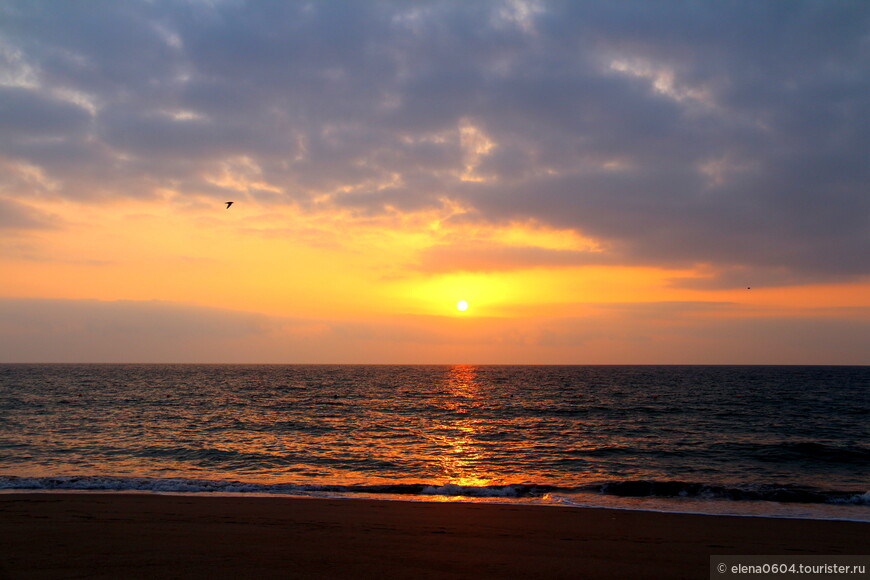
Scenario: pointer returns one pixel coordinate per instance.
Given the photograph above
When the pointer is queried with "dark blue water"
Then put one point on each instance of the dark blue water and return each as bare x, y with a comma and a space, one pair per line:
772, 440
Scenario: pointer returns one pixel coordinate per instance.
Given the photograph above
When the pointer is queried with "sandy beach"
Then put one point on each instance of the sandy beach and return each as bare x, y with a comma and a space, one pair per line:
109, 535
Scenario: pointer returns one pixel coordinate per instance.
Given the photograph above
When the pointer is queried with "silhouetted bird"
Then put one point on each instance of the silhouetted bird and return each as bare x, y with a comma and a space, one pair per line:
229, 203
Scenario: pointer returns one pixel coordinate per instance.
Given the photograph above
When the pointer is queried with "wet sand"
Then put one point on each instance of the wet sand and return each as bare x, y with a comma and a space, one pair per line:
105, 535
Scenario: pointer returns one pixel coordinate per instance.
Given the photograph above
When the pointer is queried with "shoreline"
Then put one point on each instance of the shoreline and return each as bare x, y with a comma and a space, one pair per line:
665, 505
614, 504
138, 535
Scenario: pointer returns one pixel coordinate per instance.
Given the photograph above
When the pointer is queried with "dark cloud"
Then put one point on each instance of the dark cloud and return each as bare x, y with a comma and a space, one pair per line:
26, 114
733, 135
15, 216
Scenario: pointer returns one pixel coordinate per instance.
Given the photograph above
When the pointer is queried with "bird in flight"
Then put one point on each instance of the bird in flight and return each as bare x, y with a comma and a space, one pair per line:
229, 203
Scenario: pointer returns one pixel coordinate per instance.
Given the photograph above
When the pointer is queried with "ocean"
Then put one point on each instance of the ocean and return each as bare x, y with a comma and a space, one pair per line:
784, 441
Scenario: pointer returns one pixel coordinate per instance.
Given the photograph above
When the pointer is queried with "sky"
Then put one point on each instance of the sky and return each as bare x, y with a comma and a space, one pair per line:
604, 182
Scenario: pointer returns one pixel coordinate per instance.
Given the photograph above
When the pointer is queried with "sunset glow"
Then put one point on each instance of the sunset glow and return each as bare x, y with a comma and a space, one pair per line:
577, 197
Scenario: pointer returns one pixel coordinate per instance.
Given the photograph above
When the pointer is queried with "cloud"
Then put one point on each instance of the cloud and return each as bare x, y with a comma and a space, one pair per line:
46, 330
16, 216
57, 330
27, 113
731, 135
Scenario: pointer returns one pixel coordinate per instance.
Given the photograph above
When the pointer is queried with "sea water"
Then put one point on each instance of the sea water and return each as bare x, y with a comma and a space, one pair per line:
751, 440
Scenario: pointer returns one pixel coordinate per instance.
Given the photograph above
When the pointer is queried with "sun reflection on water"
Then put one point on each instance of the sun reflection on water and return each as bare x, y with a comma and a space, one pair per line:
459, 432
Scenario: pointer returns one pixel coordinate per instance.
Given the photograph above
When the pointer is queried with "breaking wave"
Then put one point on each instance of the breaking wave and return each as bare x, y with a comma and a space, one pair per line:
630, 488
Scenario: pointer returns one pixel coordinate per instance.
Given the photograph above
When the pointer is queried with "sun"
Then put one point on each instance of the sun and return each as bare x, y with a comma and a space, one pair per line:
462, 306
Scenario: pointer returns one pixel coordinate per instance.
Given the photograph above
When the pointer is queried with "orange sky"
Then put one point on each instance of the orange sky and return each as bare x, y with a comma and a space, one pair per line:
331, 289
595, 199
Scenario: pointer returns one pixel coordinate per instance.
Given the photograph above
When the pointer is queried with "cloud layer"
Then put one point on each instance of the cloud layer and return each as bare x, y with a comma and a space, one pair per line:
127, 331
733, 135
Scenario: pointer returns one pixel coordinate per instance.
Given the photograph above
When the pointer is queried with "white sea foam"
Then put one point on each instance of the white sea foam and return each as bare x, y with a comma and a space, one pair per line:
452, 489
858, 499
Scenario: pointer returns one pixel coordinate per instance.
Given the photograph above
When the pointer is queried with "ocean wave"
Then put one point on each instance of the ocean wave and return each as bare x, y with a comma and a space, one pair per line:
508, 491
749, 492
629, 488
800, 452
184, 485
153, 484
